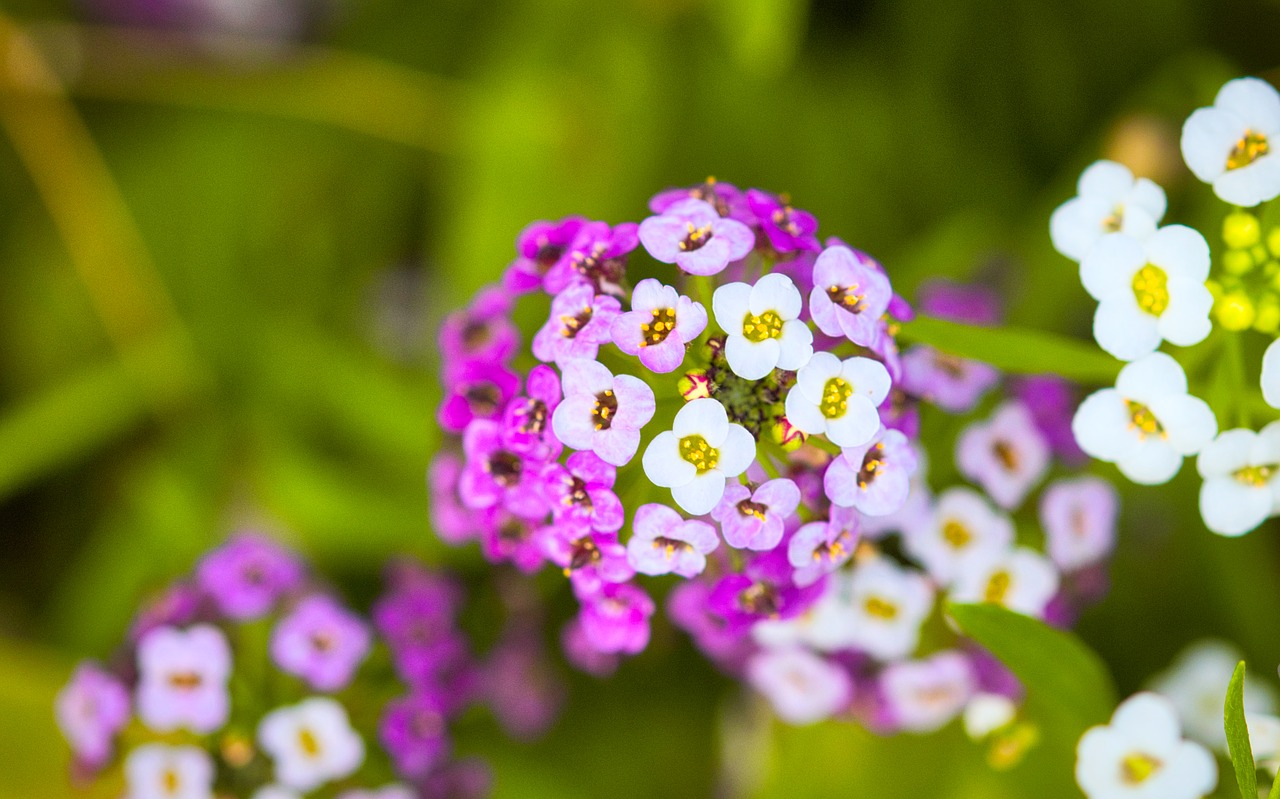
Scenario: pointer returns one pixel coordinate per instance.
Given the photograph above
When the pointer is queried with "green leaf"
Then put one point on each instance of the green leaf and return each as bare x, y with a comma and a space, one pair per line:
1238, 737
1066, 682
1016, 350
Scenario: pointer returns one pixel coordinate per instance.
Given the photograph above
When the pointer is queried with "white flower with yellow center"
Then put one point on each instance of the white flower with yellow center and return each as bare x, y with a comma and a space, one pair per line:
1141, 755
1241, 471
695, 457
838, 398
1147, 423
763, 326
963, 531
1110, 200
1235, 143
158, 771
1197, 682
1149, 291
1018, 579
1271, 374
827, 626
311, 743
887, 605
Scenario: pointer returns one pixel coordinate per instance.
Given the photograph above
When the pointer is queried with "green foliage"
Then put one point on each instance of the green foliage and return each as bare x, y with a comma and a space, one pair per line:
1015, 350
1238, 736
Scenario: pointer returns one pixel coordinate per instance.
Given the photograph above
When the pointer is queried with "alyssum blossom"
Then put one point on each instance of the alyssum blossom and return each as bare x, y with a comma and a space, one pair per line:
695, 457
1241, 471
763, 326
1233, 144
1141, 754
1109, 200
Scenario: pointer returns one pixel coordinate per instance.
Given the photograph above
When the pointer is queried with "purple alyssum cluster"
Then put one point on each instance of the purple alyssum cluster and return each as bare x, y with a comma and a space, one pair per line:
719, 395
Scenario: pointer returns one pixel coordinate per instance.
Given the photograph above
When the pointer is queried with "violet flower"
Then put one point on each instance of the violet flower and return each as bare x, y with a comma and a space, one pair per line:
578, 325
658, 326
819, 548
691, 235
321, 642
754, 520
589, 559
581, 491
1006, 455
246, 576
664, 542
874, 478
496, 475
602, 412
413, 731
596, 256
476, 390
726, 198
788, 229
450, 519
953, 384
539, 248
526, 421
617, 618
850, 295
91, 710
505, 538
481, 332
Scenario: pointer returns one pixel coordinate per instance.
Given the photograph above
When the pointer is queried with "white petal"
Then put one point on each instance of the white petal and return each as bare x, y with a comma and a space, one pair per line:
1188, 422
1153, 376
1125, 330
795, 346
1186, 319
1149, 721
868, 377
1109, 265
1226, 453
1253, 184
859, 424
1107, 180
751, 360
776, 292
805, 414
1232, 508
1271, 374
1180, 251
1147, 197
737, 452
1152, 462
701, 494
704, 417
662, 462
1208, 137
813, 376
730, 304
1101, 426
1254, 101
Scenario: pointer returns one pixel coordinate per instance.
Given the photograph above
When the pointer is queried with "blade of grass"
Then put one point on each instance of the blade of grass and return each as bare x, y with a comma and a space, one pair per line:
1238, 736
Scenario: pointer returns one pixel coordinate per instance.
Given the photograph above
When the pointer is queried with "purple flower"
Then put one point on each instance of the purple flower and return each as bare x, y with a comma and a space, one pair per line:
505, 538
589, 559
1006, 455
416, 619
765, 591
91, 710
953, 384
540, 247
787, 228
582, 654
526, 421
178, 605
617, 618
1079, 521
321, 642
874, 478
413, 731
496, 475
182, 680
658, 326
247, 576
923, 695
581, 491
602, 412
1052, 403
481, 332
727, 199
477, 390
597, 256
520, 687
468, 778
578, 325
802, 687
688, 606
960, 302
755, 520
664, 542
691, 235
820, 548
850, 295
450, 519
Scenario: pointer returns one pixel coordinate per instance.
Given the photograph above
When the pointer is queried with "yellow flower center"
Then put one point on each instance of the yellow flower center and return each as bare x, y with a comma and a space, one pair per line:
1138, 767
171, 781
1256, 476
835, 398
880, 608
956, 534
846, 296
697, 451
308, 743
1151, 289
698, 236
1143, 420
656, 332
759, 328
998, 587
1251, 146
1114, 222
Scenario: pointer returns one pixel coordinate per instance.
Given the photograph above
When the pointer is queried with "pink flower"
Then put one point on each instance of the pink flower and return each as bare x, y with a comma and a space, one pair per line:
1007, 454
664, 542
691, 235
755, 520
617, 618
321, 642
581, 491
820, 548
602, 412
658, 326
850, 295
578, 325
874, 478
92, 709
182, 679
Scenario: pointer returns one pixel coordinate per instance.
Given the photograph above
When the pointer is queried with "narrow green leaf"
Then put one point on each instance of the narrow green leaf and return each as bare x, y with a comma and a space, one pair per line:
1016, 350
1066, 680
1238, 737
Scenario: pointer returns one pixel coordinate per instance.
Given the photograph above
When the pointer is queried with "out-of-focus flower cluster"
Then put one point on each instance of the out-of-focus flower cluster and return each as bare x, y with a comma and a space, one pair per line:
1153, 284
718, 394
251, 678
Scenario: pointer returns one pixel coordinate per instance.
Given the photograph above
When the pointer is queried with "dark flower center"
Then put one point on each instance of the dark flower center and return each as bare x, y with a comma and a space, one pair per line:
577, 493
505, 468
748, 508
761, 599
475, 334
656, 332
584, 553
1006, 454
847, 297
483, 398
533, 417
872, 464
606, 409
697, 237
547, 256
185, 680
571, 325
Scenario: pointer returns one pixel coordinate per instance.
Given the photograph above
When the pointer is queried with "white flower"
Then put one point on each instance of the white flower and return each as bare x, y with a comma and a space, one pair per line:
1110, 200
802, 687
311, 743
1241, 471
1264, 740
1234, 143
1196, 684
987, 713
887, 605
763, 326
697, 454
1148, 291
158, 771
963, 531
275, 792
1147, 423
1141, 755
838, 398
1271, 374
1019, 579
825, 627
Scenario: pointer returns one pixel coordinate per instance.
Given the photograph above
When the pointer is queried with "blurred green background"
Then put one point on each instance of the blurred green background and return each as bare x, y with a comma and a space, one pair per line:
232, 226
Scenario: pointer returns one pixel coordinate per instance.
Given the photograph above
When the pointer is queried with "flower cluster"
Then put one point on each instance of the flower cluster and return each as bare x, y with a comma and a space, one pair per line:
252, 679
1153, 285
718, 394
